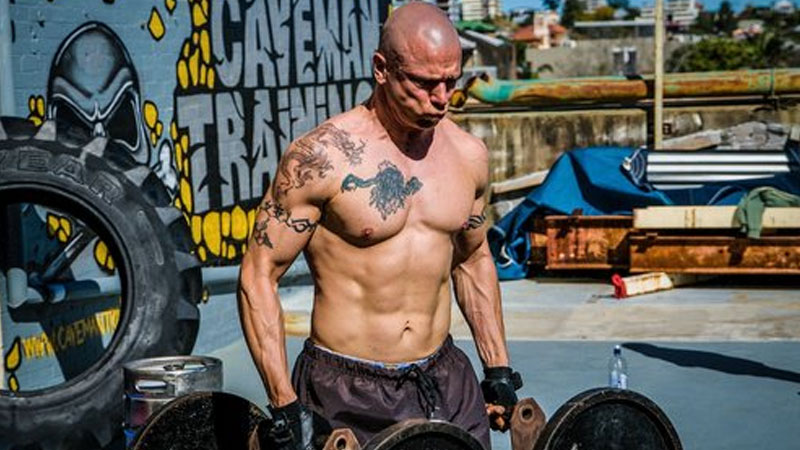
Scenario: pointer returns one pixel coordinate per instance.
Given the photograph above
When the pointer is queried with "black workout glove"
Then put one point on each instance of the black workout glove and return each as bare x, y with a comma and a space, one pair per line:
499, 386
294, 427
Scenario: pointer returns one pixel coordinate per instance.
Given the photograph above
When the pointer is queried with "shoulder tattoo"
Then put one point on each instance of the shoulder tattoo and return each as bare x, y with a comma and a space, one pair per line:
330, 136
389, 188
275, 212
307, 158
299, 166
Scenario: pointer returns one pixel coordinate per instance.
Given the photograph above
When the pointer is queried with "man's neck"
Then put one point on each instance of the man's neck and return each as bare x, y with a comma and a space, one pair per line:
412, 142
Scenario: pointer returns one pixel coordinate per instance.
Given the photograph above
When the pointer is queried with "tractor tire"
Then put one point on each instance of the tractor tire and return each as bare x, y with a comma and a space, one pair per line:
128, 207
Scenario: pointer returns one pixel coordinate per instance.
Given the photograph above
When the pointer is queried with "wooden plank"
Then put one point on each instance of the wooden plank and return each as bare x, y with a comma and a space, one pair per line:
524, 182
652, 282
708, 217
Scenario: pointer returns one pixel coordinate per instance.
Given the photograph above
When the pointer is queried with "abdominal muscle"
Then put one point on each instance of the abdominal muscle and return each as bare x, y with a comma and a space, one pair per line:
391, 305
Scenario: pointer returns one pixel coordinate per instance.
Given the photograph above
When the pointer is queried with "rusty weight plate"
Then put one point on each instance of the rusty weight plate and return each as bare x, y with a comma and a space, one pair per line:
608, 418
201, 421
421, 434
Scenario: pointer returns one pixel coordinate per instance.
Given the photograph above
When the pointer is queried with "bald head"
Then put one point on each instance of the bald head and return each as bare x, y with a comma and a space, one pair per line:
417, 28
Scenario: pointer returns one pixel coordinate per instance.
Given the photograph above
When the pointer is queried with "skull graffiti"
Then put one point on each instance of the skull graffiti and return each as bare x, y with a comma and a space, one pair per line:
93, 85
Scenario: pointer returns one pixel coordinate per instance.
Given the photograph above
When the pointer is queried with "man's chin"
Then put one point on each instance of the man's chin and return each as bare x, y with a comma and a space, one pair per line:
429, 121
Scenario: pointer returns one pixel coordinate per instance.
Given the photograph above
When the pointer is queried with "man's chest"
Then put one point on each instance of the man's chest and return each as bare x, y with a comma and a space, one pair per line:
380, 198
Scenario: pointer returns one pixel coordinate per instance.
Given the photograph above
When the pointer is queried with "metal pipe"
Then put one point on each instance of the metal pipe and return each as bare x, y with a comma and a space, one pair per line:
764, 82
718, 157
703, 169
701, 178
84, 289
658, 112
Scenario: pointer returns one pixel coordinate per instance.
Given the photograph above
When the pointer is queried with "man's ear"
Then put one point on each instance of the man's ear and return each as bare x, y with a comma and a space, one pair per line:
380, 69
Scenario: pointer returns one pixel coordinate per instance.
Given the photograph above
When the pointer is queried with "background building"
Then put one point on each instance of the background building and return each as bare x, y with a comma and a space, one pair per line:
592, 5
480, 9
680, 13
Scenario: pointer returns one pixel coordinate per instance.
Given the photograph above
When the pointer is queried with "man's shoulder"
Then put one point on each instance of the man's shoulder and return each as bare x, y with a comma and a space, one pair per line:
467, 141
350, 122
336, 138
470, 147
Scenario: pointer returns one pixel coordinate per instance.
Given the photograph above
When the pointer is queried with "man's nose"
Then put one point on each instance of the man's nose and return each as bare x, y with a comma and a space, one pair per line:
439, 95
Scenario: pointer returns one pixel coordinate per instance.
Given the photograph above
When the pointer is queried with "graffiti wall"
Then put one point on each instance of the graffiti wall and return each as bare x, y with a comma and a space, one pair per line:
206, 93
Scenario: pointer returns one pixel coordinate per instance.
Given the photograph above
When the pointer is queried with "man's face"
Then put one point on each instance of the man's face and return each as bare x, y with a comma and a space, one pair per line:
420, 87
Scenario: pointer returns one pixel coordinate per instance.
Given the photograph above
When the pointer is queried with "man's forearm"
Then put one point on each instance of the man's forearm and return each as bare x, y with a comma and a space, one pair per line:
262, 322
478, 295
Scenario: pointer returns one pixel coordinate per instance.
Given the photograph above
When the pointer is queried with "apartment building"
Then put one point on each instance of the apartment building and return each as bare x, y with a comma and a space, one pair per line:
676, 12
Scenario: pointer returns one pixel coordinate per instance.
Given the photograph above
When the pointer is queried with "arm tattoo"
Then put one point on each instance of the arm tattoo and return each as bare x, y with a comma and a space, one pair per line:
389, 188
260, 233
275, 211
308, 160
474, 221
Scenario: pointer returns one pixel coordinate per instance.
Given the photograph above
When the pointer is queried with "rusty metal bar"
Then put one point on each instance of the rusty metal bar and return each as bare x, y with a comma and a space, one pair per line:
587, 242
765, 82
714, 254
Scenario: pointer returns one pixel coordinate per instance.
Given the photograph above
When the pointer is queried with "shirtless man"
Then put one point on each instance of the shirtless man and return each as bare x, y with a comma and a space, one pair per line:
386, 200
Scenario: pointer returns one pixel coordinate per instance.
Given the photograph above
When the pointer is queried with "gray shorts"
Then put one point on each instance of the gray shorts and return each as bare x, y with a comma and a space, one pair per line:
368, 397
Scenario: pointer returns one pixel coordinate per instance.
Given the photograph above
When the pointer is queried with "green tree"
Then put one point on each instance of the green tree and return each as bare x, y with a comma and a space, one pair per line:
552, 5
729, 54
603, 13
632, 13
704, 24
769, 46
618, 4
726, 20
572, 10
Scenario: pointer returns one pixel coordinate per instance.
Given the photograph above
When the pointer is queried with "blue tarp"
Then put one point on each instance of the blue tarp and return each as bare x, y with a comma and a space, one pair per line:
593, 181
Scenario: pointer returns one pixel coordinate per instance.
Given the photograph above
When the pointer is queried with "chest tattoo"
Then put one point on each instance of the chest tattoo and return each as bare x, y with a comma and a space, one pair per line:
389, 188
275, 212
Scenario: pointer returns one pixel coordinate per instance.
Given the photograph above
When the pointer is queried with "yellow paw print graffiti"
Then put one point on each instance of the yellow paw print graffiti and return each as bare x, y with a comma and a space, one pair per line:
59, 227
156, 25
219, 235
154, 126
36, 109
12, 361
194, 67
103, 258
222, 234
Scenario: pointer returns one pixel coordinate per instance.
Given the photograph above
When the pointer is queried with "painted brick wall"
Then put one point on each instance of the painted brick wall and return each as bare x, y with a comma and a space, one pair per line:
205, 92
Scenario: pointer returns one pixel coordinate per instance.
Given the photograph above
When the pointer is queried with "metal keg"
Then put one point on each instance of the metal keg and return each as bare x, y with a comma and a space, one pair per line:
153, 382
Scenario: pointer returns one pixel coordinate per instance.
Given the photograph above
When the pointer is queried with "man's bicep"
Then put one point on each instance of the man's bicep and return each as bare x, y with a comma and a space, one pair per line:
473, 232
280, 232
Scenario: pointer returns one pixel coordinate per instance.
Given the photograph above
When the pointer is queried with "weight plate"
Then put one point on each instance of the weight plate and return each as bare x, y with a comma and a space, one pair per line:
607, 418
201, 421
421, 434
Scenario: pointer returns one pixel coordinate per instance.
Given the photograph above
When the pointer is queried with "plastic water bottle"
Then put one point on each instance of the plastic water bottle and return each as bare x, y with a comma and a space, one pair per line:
618, 370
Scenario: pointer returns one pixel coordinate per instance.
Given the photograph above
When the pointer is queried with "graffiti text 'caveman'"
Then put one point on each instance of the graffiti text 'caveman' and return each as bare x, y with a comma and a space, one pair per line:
282, 68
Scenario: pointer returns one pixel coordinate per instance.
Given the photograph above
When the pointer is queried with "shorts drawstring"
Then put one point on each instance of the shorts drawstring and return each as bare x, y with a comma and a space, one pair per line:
428, 392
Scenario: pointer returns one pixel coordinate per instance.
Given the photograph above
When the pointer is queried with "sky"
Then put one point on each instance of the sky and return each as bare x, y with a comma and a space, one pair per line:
708, 5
